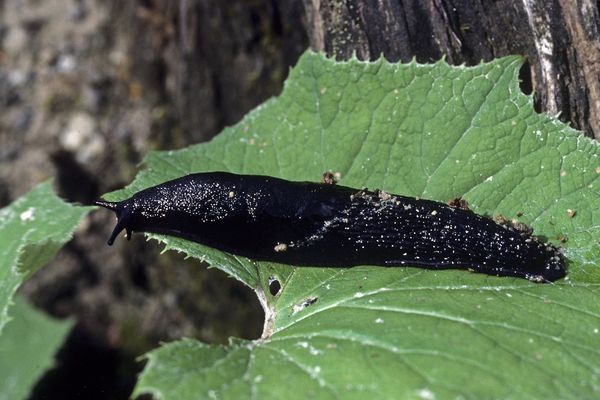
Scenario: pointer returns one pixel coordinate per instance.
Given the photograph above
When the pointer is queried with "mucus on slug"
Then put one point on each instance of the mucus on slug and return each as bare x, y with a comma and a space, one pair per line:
316, 224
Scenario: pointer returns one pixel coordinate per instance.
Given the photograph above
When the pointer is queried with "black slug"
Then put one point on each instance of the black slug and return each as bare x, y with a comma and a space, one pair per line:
304, 223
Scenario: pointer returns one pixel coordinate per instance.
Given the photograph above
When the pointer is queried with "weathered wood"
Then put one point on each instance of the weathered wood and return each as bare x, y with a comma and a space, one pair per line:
560, 39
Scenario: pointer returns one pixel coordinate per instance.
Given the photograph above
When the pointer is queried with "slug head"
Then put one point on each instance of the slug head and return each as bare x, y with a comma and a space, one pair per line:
120, 209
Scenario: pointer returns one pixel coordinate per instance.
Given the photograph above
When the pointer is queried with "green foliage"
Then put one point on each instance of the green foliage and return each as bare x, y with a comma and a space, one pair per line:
27, 347
32, 230
432, 131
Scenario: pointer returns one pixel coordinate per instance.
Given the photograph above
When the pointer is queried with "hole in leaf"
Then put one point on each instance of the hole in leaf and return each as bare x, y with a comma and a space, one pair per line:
525, 79
274, 286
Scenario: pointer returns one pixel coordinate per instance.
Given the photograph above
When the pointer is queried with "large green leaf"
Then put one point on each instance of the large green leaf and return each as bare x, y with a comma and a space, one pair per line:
32, 230
433, 131
27, 348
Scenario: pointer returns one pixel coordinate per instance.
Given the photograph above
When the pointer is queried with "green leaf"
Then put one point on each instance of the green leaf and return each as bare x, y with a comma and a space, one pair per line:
433, 131
27, 348
32, 230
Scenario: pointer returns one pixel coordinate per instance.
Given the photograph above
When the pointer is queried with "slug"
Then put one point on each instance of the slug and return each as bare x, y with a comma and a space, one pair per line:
303, 223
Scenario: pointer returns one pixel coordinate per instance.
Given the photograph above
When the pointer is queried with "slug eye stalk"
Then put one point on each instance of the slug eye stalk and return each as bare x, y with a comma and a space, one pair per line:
117, 208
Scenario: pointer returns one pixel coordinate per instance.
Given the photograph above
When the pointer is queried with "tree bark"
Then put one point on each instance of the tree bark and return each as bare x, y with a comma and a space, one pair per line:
224, 58
560, 39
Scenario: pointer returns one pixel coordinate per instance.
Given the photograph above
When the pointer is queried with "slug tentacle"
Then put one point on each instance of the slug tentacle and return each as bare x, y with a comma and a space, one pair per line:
118, 208
303, 223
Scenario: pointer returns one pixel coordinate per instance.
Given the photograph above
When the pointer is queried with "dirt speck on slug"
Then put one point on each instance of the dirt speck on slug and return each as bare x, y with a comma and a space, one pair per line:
501, 220
521, 227
280, 247
384, 195
329, 178
460, 203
